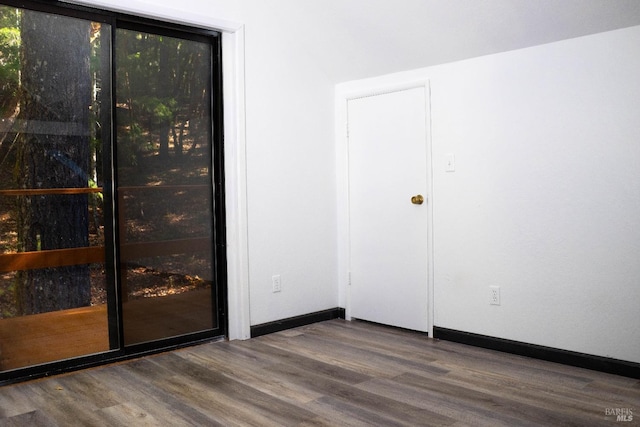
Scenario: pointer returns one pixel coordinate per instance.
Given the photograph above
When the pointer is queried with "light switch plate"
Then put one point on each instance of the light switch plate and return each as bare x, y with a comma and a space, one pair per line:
450, 162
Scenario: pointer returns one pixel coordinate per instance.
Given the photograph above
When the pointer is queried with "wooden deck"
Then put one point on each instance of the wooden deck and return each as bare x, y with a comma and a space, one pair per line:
47, 337
334, 373
150, 319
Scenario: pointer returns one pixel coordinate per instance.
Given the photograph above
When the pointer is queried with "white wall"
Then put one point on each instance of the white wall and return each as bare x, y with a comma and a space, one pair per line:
290, 166
545, 199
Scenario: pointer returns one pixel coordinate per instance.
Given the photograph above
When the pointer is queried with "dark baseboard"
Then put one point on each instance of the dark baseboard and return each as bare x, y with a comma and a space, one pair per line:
294, 322
581, 360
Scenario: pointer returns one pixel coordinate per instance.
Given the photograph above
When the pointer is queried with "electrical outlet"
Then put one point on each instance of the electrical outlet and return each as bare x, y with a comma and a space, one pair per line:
276, 283
494, 295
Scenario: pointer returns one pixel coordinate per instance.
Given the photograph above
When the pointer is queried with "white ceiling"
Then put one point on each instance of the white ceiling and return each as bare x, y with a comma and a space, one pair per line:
355, 39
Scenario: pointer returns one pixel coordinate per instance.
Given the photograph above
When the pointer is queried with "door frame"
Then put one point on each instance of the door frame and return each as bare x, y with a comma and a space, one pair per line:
344, 93
235, 156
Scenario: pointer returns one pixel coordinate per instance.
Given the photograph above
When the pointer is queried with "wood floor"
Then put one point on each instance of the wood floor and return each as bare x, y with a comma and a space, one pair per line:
334, 373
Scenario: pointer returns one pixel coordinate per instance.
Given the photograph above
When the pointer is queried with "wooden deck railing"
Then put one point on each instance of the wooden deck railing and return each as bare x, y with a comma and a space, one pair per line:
55, 257
51, 258
48, 191
95, 254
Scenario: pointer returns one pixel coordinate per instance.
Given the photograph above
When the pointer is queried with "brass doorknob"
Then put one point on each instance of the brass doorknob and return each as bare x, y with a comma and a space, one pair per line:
417, 200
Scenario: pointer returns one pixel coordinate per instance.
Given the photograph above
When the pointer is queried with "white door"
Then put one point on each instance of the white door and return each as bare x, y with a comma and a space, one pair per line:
387, 137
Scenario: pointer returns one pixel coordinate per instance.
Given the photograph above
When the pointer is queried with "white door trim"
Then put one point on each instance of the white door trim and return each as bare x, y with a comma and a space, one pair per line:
342, 97
235, 158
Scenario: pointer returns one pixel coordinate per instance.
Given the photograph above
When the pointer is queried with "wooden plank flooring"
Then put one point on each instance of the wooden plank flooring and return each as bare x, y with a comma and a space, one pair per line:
334, 373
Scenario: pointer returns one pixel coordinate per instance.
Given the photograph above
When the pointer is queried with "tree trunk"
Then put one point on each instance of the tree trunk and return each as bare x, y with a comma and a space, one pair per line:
54, 153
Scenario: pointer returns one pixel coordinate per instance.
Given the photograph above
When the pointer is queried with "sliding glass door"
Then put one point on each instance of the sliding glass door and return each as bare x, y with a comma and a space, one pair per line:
54, 291
164, 184
111, 187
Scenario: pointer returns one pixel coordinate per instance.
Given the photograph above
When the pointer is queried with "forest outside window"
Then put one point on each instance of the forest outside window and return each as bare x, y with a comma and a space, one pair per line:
111, 224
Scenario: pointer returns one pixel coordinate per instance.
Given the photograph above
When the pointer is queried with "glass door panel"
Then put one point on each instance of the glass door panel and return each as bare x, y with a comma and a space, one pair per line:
164, 185
54, 74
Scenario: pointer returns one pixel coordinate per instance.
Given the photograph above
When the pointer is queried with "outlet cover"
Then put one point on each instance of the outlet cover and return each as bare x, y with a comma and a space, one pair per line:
276, 283
494, 295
